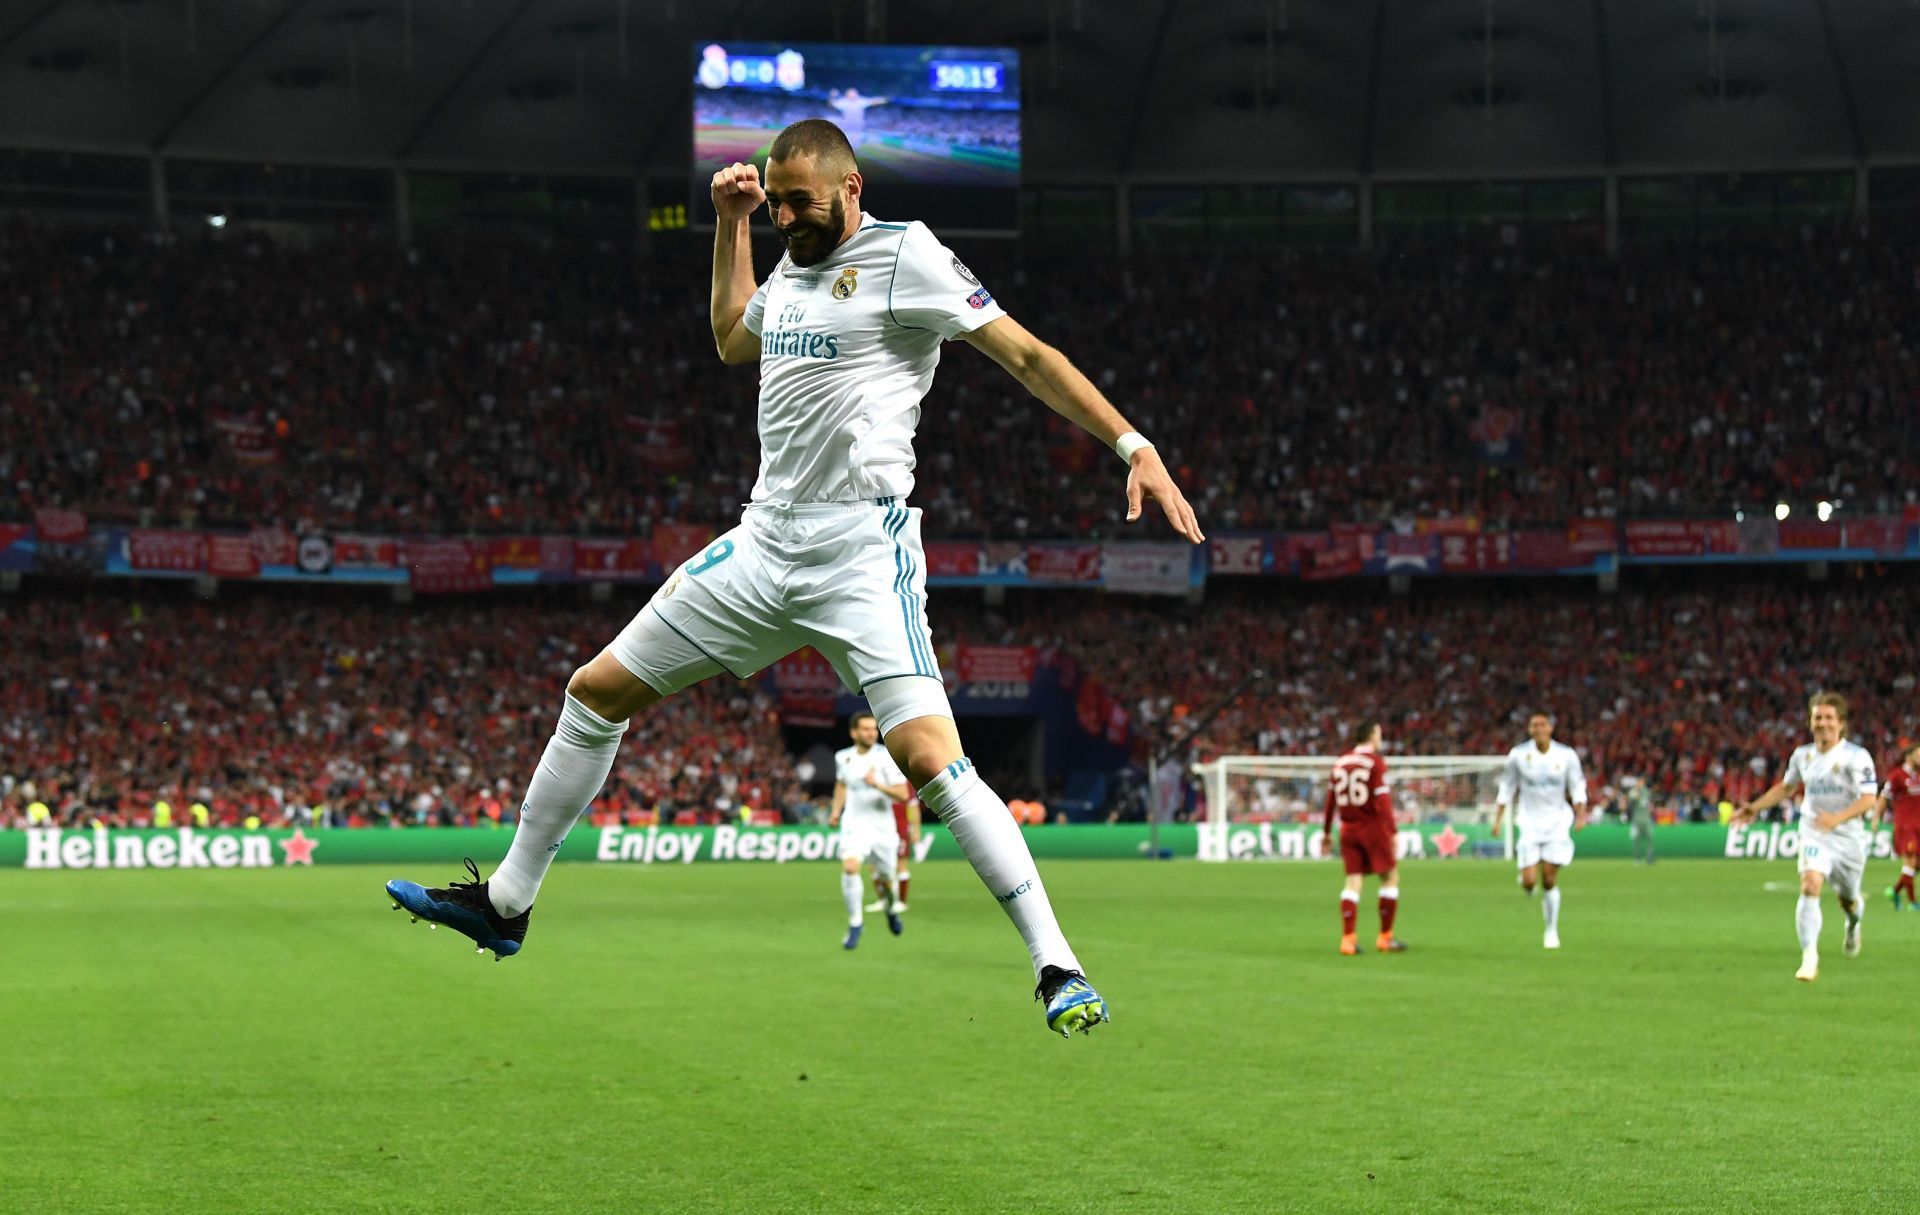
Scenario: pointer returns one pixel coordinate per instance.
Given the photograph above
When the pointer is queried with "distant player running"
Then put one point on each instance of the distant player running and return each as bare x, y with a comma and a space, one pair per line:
1901, 796
1833, 779
847, 332
1358, 792
1543, 783
906, 824
866, 783
852, 109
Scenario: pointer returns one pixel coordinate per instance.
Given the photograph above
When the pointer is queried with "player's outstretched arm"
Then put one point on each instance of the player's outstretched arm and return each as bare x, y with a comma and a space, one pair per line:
1746, 812
1046, 373
736, 196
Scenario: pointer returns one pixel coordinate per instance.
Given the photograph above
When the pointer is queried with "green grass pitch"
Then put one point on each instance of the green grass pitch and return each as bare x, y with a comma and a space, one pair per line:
694, 1039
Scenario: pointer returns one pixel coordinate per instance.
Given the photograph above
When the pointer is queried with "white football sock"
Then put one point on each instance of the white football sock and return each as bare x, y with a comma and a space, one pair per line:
572, 769
850, 890
1550, 909
1807, 919
984, 828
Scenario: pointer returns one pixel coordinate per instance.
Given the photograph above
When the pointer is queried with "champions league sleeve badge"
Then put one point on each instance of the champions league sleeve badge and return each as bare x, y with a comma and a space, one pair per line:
846, 284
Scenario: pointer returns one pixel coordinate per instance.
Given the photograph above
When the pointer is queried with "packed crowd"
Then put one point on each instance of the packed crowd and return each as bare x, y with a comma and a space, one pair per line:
1698, 688
230, 380
345, 711
359, 711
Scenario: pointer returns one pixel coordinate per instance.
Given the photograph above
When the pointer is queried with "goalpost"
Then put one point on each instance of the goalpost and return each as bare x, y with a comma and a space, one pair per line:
1270, 807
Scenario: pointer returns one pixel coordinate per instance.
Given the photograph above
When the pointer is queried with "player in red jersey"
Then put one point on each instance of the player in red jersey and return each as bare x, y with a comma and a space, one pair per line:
1359, 793
1901, 793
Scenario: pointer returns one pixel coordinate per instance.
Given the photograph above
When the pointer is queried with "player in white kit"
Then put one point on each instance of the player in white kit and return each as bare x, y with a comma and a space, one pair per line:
852, 109
847, 331
1543, 783
866, 783
1834, 781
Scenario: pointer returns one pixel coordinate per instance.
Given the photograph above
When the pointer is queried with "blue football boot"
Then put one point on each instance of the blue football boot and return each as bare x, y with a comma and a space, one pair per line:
1072, 1003
465, 908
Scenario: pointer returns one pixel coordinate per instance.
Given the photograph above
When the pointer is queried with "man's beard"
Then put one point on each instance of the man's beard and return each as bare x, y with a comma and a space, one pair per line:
809, 244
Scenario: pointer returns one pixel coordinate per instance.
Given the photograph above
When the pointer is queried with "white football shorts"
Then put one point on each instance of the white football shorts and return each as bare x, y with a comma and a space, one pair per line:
847, 578
1841, 859
870, 843
1553, 847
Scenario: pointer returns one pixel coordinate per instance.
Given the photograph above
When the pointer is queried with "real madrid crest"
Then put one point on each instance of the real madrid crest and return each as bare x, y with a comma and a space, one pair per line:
846, 284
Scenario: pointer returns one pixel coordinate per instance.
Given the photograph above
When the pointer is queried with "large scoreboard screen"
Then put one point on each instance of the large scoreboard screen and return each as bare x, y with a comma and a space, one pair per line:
936, 128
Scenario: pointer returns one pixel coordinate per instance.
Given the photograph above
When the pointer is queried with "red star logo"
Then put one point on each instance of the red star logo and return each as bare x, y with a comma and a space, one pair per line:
299, 848
1449, 841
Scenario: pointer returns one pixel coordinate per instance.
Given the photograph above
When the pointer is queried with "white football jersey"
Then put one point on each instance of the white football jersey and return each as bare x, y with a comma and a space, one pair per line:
867, 807
1832, 780
1548, 786
847, 351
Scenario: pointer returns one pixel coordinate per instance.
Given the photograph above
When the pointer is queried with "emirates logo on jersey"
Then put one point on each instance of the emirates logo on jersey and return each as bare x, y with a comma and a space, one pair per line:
846, 284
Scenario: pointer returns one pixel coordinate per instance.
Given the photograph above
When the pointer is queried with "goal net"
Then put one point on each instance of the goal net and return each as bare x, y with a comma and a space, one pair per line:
1270, 807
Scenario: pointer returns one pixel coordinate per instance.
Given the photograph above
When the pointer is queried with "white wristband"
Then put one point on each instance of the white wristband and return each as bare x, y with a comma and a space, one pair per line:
1128, 443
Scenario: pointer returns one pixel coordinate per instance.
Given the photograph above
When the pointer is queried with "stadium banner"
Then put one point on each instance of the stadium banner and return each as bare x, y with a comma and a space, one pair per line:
673, 543
1063, 563
172, 551
1476, 553
807, 689
1404, 554
1431, 547
273, 545
220, 848
56, 525
1297, 842
952, 559
232, 556
223, 848
1590, 536
446, 567
613, 560
17, 547
1237, 555
1341, 560
1146, 568
1547, 550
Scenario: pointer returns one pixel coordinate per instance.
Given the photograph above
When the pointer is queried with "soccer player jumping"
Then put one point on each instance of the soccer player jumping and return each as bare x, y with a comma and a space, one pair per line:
1359, 793
847, 332
1833, 779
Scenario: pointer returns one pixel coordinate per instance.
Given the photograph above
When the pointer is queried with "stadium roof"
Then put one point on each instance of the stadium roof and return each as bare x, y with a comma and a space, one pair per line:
1182, 89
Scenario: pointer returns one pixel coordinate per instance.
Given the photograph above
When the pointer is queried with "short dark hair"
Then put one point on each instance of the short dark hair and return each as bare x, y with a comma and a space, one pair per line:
855, 719
1539, 713
1363, 733
815, 137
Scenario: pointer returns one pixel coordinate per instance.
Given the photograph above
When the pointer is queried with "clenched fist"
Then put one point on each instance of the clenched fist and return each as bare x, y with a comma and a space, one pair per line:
736, 192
